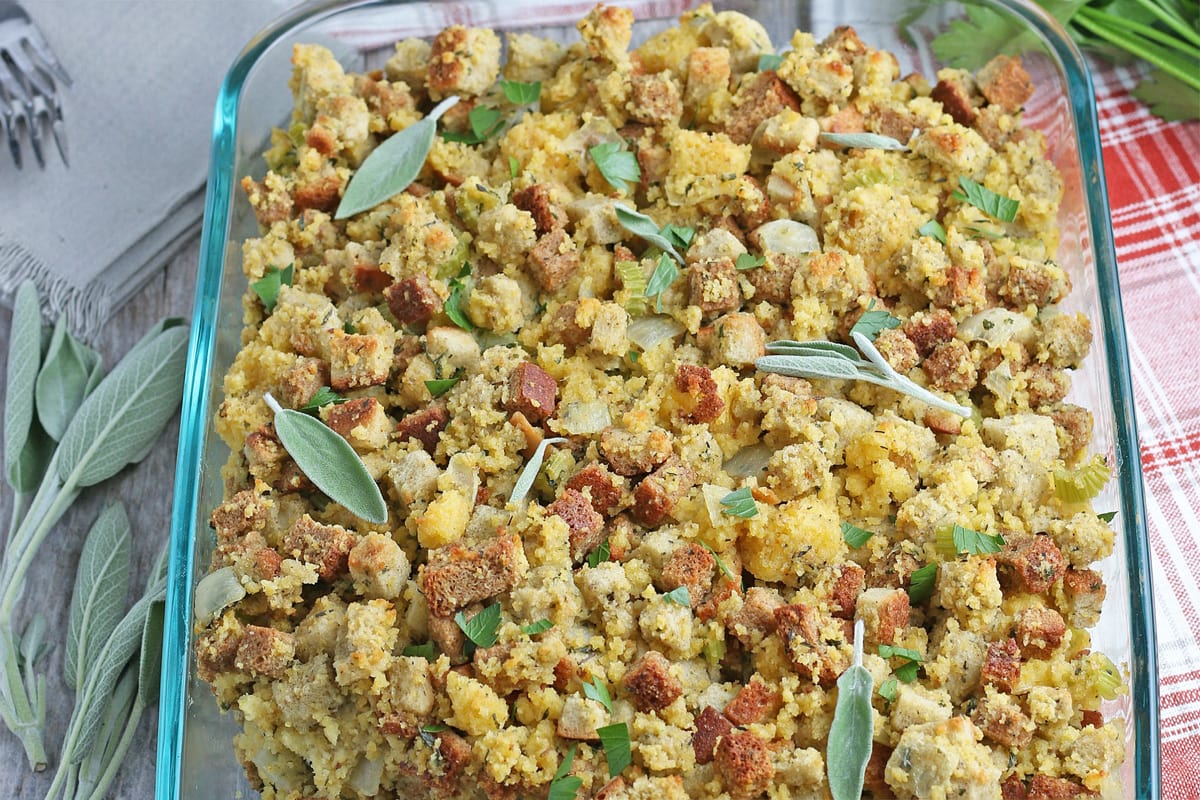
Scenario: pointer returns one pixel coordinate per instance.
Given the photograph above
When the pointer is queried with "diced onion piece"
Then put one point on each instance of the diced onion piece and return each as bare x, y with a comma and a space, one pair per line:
366, 775
787, 236
216, 591
995, 326
1082, 483
748, 461
461, 476
578, 418
712, 501
646, 332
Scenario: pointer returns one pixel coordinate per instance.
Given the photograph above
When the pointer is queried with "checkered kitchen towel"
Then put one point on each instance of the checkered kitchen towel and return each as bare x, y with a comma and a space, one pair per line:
1153, 174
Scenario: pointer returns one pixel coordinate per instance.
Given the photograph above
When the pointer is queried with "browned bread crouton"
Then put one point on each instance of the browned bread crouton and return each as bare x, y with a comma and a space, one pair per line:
711, 725
701, 399
600, 485
650, 683
655, 498
1002, 665
457, 576
327, 547
630, 453
753, 703
412, 300
553, 260
265, 651
425, 426
531, 391
744, 763
585, 523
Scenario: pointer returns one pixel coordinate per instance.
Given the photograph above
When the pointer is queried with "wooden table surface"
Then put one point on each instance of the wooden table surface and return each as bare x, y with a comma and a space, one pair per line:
145, 489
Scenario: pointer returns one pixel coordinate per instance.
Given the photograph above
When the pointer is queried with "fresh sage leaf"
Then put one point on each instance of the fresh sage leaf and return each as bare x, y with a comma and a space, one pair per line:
849, 744
150, 657
679, 596
994, 205
392, 166
329, 462
617, 165
33, 642
121, 713
102, 676
25, 458
819, 348
642, 226
865, 140
615, 740
480, 629
530, 471
485, 123
739, 503
63, 381
101, 581
809, 366
118, 422
679, 235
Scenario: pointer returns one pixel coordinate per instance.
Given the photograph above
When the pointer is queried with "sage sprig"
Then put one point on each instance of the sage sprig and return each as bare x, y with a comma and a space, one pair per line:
100, 583
392, 166
820, 359
849, 745
115, 423
871, 141
642, 226
329, 462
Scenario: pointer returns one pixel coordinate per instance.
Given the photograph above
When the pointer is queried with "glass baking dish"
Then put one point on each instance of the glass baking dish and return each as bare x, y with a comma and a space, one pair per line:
195, 755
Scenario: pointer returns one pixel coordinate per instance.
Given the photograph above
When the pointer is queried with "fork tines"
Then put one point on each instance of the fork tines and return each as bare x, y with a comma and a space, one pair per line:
29, 99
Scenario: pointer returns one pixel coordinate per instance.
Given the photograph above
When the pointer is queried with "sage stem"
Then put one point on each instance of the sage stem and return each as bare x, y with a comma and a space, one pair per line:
114, 764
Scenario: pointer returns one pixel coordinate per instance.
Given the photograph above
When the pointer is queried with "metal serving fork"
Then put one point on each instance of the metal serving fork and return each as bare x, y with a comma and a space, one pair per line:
29, 99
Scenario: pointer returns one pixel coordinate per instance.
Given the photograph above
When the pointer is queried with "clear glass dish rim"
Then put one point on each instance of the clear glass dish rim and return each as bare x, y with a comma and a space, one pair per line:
194, 412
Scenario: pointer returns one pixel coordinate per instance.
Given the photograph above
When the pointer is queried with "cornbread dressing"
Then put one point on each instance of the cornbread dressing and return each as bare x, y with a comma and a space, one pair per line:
717, 638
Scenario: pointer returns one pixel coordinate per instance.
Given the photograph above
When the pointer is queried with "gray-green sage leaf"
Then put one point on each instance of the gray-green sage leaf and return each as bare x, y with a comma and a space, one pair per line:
24, 460
642, 226
102, 675
64, 380
117, 422
864, 140
329, 462
101, 581
849, 745
530, 472
150, 657
392, 166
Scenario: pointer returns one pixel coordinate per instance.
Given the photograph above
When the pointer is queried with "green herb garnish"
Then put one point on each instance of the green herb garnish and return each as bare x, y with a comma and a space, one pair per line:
480, 629
769, 61
921, 583
514, 167
1107, 516
720, 563
679, 235
70, 372
426, 651
953, 540
599, 555
615, 740
453, 304
820, 359
643, 227
521, 93
871, 141
392, 166
855, 536
329, 461
739, 503
746, 261
565, 786
484, 123
679, 596
934, 229
595, 690
849, 744
321, 398
906, 672
872, 323
435, 728
534, 628
267, 287
887, 689
994, 205
439, 387
617, 165
665, 273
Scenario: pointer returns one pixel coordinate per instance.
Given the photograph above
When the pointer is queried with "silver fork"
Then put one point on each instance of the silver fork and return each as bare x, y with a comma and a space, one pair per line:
29, 98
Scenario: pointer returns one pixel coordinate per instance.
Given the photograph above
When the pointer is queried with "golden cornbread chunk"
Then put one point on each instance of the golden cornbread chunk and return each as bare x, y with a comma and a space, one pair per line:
670, 592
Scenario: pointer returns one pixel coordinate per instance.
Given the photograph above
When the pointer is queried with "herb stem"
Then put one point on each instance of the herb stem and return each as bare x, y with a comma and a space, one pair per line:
1171, 19
1141, 48
118, 756
20, 717
1154, 34
916, 390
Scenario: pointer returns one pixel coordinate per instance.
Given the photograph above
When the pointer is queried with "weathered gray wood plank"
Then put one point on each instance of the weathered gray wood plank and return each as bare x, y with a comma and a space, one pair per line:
146, 492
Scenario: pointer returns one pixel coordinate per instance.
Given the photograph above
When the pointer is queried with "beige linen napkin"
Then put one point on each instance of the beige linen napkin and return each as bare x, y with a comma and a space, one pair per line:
138, 118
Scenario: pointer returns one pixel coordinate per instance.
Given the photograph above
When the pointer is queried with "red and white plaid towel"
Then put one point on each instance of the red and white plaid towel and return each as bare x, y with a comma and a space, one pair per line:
1153, 174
